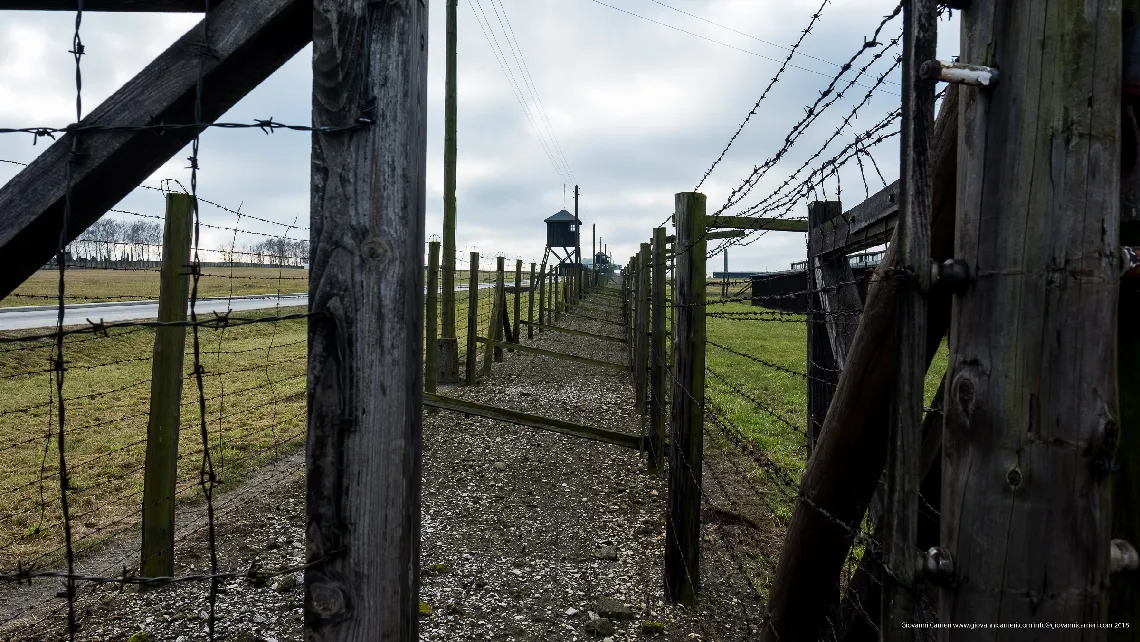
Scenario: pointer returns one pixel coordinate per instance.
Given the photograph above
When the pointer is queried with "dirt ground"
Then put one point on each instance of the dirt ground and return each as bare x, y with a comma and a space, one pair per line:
527, 535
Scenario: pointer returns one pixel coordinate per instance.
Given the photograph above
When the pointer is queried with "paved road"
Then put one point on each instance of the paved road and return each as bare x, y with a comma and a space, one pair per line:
44, 316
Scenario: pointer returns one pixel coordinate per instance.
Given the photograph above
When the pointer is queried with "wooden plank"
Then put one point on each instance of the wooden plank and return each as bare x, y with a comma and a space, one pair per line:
757, 223
683, 525
848, 461
366, 292
920, 38
534, 421
657, 356
1032, 403
867, 224
155, 6
580, 333
557, 355
249, 40
160, 472
726, 234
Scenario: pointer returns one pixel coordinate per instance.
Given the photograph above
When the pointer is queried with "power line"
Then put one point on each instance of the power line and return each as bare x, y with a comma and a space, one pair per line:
520, 60
713, 40
746, 35
500, 57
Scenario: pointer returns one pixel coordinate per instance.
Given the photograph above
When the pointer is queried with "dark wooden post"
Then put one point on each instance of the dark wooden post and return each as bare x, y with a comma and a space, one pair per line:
495, 324
641, 333
821, 364
542, 296
657, 356
1031, 402
920, 36
530, 304
160, 472
515, 334
683, 526
472, 319
450, 149
366, 296
431, 345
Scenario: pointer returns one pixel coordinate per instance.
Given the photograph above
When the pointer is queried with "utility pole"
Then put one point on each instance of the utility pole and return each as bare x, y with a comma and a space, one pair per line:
448, 343
577, 235
593, 249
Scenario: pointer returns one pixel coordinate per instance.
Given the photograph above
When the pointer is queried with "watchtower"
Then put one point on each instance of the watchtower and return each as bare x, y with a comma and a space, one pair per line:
562, 230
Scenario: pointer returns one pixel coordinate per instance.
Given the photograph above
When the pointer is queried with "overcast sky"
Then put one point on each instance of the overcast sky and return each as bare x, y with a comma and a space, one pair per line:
632, 110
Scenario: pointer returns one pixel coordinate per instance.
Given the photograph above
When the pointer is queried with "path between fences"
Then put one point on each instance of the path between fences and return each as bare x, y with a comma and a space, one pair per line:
527, 534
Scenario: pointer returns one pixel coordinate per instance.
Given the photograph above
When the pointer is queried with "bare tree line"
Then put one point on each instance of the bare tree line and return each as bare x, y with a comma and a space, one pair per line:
112, 241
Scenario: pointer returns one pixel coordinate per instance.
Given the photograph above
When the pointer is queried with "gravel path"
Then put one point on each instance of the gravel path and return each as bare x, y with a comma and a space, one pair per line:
527, 535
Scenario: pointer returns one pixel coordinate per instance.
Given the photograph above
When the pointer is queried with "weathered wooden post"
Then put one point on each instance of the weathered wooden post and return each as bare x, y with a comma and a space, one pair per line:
542, 316
449, 341
366, 298
557, 298
515, 334
821, 364
904, 451
1031, 412
641, 334
160, 472
530, 304
431, 346
683, 526
472, 319
657, 356
495, 325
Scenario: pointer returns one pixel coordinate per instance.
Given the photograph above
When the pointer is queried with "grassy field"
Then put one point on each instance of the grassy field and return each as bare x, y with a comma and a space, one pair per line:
93, 286
768, 402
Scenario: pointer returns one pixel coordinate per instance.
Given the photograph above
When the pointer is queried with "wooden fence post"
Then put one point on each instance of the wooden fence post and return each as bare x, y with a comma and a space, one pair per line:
161, 466
1031, 412
515, 334
683, 526
557, 298
657, 356
641, 356
542, 316
530, 304
365, 331
495, 324
821, 363
431, 345
472, 319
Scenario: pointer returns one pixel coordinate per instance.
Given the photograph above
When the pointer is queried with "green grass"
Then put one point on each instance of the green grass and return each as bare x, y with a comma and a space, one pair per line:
254, 387
93, 286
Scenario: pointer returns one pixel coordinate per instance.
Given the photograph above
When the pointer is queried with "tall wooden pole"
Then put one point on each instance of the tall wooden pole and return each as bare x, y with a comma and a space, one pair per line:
530, 304
576, 283
515, 334
366, 296
920, 36
1031, 412
641, 331
683, 524
160, 472
450, 151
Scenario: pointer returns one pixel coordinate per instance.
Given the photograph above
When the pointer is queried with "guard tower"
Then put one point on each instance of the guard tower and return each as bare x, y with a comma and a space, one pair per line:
562, 233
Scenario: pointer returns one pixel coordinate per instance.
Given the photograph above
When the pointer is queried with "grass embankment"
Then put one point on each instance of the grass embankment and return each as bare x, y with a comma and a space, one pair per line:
95, 286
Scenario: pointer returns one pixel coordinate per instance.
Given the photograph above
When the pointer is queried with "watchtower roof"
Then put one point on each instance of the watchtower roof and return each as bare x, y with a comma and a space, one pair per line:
562, 216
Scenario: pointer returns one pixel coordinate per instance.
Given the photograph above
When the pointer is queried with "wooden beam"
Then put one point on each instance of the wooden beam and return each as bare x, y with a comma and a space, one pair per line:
125, 6
867, 224
580, 333
556, 355
365, 368
726, 234
838, 294
534, 421
249, 40
757, 223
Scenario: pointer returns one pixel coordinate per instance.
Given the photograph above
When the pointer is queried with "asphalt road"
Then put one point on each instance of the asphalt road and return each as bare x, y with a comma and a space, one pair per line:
44, 316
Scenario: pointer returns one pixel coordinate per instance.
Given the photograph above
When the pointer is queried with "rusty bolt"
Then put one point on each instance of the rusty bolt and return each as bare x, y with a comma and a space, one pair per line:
937, 566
